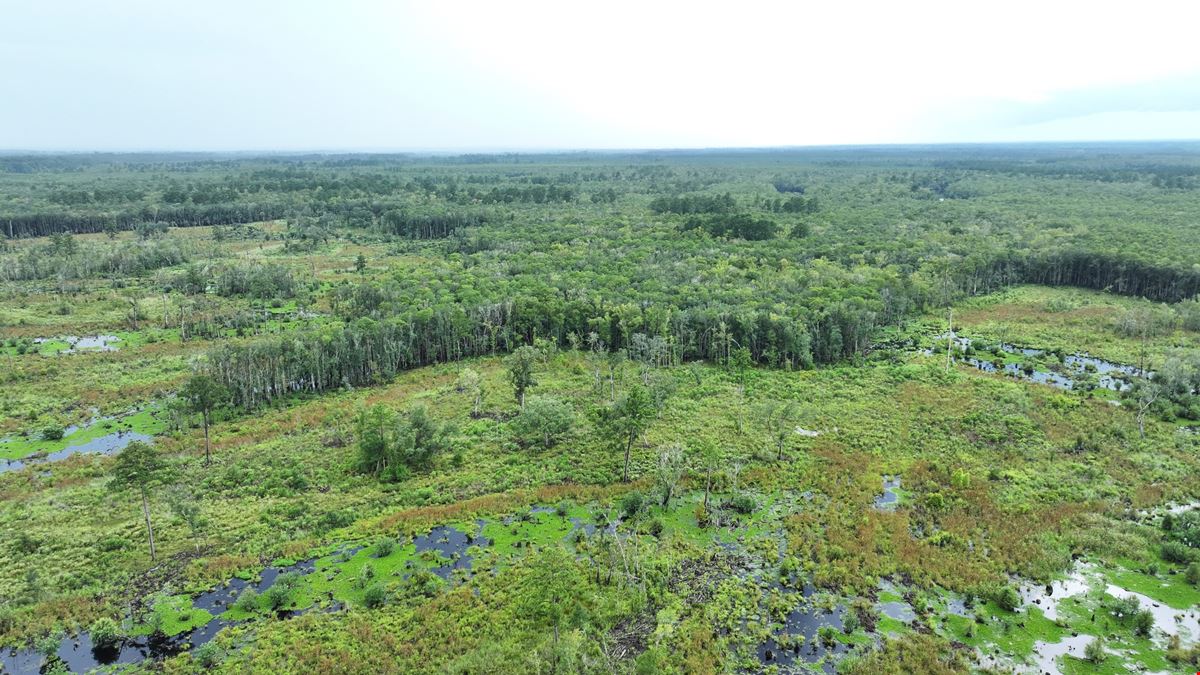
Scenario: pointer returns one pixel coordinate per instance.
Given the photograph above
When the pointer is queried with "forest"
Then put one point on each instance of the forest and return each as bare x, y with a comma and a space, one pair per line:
846, 410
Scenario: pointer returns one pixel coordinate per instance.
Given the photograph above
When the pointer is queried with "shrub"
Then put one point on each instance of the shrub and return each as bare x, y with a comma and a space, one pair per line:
1007, 598
1143, 623
276, 597
1094, 651
53, 432
631, 504
563, 508
1177, 552
544, 420
742, 503
48, 646
247, 601
365, 575
375, 596
384, 547
208, 655
850, 622
655, 527
1126, 607
106, 633
1186, 528
288, 581
1193, 574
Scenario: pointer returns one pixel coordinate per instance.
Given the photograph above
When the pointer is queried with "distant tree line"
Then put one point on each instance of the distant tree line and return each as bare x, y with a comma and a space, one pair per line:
735, 226
44, 224
694, 204
63, 258
1113, 272
401, 223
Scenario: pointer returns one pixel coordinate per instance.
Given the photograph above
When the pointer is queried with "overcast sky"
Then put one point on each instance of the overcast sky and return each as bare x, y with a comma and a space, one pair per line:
435, 74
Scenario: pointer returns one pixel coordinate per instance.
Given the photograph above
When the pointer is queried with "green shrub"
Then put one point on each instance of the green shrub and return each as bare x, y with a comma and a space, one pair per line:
1126, 607
365, 575
742, 503
631, 504
276, 597
106, 633
375, 596
1193, 574
247, 601
384, 547
53, 432
1186, 528
1143, 623
1007, 598
655, 527
208, 655
1177, 552
1094, 651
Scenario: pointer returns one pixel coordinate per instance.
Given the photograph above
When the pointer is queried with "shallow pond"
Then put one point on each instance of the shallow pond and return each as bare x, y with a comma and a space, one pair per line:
103, 435
80, 654
74, 344
799, 639
450, 543
888, 500
1071, 370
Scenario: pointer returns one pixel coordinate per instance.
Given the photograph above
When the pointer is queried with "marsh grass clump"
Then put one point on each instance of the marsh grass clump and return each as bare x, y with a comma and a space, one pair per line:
742, 503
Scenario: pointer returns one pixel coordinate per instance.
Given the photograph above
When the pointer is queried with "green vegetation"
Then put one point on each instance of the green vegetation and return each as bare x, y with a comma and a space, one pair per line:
603, 413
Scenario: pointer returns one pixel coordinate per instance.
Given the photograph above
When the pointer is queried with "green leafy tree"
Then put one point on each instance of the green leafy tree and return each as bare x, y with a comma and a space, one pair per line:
668, 473
139, 468
707, 455
390, 448
520, 371
203, 394
186, 507
544, 419
779, 421
470, 383
626, 420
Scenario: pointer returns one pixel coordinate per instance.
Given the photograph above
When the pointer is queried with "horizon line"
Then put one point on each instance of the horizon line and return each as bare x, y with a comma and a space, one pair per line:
518, 150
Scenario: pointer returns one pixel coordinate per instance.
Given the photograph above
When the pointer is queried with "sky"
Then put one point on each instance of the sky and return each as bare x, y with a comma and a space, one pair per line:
388, 75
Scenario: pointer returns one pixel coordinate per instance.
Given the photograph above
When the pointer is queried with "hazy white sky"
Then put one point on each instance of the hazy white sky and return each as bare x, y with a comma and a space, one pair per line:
393, 75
